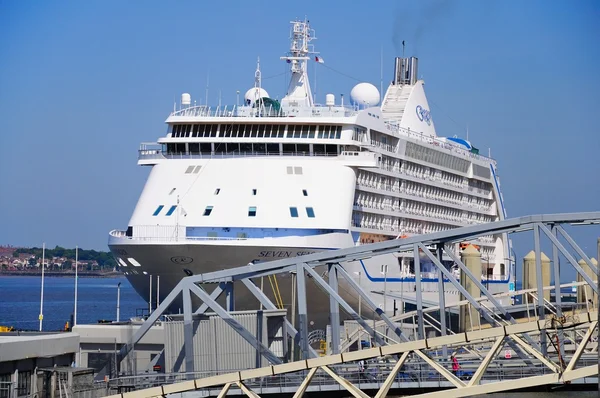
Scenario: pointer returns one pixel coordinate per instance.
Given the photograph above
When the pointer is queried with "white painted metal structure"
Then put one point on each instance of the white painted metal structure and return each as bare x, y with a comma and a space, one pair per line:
536, 343
269, 180
493, 338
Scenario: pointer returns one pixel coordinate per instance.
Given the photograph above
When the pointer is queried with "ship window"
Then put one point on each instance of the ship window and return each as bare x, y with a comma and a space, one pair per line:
232, 148
273, 148
197, 170
194, 147
158, 209
318, 148
289, 148
205, 148
310, 212
338, 132
280, 130
305, 131
195, 132
245, 147
259, 148
298, 170
311, 131
303, 148
213, 130
261, 131
217, 191
212, 235
331, 149
189, 169
208, 210
171, 210
290, 170
304, 192
251, 211
254, 191
294, 211
179, 148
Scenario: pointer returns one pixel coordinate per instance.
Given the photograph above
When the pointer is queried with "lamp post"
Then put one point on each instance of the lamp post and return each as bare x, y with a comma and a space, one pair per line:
118, 301
76, 279
41, 317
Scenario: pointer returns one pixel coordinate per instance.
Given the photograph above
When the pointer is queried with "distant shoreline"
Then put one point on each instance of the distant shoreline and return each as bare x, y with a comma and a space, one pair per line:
54, 274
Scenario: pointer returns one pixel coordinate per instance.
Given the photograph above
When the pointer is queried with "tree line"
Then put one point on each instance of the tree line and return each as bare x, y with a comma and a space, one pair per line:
104, 259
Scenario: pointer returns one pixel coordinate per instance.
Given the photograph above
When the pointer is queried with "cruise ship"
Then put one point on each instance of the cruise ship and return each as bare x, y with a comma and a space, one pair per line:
269, 179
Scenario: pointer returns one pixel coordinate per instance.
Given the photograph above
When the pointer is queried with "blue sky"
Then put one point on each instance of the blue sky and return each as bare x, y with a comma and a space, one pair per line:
83, 83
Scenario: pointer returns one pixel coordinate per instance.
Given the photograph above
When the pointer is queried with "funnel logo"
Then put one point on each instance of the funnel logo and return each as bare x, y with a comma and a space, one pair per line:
424, 115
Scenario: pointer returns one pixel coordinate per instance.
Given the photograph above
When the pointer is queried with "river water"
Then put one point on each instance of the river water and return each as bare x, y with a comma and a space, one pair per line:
97, 300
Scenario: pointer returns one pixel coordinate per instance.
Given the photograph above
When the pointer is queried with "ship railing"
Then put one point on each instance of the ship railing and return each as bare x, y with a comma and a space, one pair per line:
160, 154
395, 128
247, 111
154, 233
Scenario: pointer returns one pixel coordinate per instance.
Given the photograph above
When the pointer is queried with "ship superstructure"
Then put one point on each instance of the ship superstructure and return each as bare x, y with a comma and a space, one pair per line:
271, 179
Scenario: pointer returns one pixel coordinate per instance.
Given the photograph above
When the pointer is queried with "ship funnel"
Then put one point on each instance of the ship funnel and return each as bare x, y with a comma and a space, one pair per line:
405, 70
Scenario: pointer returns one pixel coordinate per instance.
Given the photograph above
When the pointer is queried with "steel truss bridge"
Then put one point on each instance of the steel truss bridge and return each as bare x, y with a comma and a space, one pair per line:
558, 346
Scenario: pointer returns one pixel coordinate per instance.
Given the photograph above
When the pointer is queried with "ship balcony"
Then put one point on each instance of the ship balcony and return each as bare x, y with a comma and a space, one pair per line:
151, 153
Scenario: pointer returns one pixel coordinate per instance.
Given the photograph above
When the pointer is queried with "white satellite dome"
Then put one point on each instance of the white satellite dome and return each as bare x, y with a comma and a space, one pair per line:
254, 94
364, 94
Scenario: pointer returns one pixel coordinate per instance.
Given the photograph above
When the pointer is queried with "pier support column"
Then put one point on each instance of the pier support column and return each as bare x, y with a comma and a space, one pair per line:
471, 257
302, 311
530, 274
334, 310
585, 293
421, 325
188, 333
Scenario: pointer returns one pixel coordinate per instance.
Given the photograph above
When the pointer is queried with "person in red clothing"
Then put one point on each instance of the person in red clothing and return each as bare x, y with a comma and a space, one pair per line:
455, 365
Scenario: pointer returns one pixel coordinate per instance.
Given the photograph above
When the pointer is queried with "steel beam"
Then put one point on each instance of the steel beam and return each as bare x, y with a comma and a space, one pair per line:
246, 335
486, 361
302, 389
387, 384
477, 282
570, 258
351, 388
419, 292
214, 295
188, 332
334, 310
581, 347
155, 316
575, 246
302, 310
268, 304
369, 301
521, 223
468, 296
540, 285
442, 297
557, 293
325, 286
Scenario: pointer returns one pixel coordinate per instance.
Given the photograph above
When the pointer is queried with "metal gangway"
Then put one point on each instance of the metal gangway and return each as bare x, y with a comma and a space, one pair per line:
557, 346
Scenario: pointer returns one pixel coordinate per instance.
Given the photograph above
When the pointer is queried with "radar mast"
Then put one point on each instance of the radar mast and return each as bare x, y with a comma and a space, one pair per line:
298, 92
